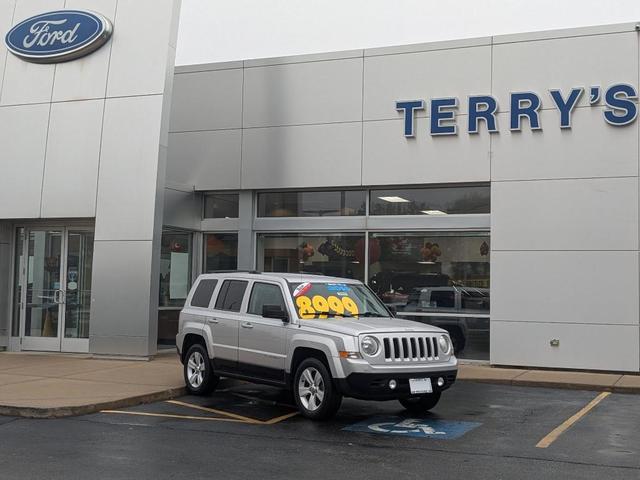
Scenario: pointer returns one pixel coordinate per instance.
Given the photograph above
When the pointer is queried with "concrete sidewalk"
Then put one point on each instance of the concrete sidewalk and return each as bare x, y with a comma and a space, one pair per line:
54, 385
46, 385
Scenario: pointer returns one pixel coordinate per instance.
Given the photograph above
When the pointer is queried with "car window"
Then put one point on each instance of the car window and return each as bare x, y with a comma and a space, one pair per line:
231, 295
443, 299
202, 295
264, 294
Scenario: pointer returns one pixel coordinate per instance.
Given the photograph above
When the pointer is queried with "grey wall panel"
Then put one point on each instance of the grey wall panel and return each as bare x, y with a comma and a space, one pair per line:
86, 79
596, 347
457, 72
71, 169
182, 209
590, 214
564, 63
594, 287
316, 92
591, 148
124, 268
207, 101
141, 37
130, 143
28, 82
205, 160
302, 156
23, 133
391, 158
6, 16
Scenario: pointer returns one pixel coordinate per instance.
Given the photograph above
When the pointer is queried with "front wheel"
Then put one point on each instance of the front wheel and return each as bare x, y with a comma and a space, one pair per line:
421, 404
314, 392
198, 373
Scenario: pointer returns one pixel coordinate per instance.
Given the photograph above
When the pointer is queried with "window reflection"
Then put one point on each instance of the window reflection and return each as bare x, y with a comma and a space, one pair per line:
441, 280
175, 268
221, 205
334, 254
221, 251
312, 204
432, 201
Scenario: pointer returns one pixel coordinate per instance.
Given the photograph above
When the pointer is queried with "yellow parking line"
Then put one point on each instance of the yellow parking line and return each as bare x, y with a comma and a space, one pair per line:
213, 410
168, 415
280, 418
250, 420
564, 426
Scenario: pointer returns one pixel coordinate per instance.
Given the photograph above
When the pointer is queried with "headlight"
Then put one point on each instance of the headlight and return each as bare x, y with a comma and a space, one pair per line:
445, 344
369, 345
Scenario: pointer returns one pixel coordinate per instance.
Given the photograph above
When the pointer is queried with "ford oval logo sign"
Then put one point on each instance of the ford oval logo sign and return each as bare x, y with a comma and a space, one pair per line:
58, 36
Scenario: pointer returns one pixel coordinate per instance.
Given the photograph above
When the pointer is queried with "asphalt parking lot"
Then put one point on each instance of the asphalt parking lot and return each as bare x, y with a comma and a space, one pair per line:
244, 431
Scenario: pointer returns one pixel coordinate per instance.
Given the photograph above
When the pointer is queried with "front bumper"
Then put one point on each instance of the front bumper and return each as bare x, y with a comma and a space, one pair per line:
375, 386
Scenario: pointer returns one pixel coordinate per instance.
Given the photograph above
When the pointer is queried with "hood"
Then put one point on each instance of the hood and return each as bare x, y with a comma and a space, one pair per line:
347, 326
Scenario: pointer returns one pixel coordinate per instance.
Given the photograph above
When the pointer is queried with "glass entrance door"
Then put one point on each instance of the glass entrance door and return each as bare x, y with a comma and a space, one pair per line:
54, 281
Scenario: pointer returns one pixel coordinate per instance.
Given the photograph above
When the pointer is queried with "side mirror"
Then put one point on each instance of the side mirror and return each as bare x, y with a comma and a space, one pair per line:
275, 311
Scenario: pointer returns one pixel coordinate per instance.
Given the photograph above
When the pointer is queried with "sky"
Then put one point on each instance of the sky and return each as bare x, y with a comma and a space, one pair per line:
224, 30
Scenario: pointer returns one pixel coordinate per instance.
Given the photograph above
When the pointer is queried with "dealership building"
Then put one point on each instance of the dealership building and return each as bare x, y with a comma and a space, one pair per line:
489, 186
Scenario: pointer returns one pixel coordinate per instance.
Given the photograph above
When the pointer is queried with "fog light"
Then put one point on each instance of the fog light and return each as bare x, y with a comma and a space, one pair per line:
440, 382
393, 384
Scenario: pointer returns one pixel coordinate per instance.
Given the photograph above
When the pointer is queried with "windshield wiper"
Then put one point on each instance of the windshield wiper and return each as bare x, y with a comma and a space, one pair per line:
332, 314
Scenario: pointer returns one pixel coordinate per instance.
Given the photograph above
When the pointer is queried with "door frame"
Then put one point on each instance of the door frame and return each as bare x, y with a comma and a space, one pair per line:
50, 344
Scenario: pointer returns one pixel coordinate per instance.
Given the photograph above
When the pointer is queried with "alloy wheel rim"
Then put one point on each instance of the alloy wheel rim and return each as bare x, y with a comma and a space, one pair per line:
195, 369
311, 389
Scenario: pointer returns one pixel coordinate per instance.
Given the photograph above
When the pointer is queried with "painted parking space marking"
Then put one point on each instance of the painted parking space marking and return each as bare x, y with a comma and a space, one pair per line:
567, 424
223, 415
213, 410
413, 427
170, 415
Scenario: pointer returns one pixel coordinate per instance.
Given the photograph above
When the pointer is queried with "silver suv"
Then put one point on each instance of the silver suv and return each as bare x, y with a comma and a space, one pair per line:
320, 337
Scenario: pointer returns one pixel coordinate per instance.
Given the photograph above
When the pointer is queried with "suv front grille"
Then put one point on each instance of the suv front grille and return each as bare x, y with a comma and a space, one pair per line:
410, 348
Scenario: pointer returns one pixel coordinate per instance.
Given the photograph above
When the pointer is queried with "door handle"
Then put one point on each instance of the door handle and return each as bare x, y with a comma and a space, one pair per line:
246, 325
58, 297
214, 321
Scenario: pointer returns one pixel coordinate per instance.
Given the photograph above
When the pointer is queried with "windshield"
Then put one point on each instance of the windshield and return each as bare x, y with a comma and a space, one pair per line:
335, 300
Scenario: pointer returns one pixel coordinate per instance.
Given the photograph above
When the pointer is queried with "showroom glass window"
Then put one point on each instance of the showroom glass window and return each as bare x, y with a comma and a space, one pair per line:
312, 204
433, 278
336, 254
175, 282
220, 252
175, 268
221, 205
431, 201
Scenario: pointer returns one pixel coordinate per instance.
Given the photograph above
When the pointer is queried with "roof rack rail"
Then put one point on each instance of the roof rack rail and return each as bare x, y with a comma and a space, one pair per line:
235, 271
310, 273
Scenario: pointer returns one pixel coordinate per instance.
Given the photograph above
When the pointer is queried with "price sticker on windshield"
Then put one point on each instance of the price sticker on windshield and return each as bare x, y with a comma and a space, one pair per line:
319, 306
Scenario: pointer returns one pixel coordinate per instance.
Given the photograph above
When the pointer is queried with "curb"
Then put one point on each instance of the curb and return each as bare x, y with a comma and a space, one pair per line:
61, 412
552, 384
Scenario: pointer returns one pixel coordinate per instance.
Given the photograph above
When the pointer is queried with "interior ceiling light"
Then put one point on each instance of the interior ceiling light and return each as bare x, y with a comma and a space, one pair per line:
395, 199
434, 212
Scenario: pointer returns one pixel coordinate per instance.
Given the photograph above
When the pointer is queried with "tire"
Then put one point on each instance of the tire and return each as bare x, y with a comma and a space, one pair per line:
421, 404
314, 392
198, 372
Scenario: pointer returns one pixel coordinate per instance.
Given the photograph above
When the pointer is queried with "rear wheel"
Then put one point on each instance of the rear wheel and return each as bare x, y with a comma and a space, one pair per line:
421, 404
198, 372
314, 392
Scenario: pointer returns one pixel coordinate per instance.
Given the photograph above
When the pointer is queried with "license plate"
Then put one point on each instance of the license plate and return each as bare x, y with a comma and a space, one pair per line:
420, 385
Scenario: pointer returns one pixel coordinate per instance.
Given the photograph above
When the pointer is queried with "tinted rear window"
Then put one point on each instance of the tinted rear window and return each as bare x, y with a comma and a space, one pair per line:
202, 295
231, 295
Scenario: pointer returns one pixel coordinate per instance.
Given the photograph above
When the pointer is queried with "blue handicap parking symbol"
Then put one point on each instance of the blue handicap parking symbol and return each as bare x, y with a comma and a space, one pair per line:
413, 427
